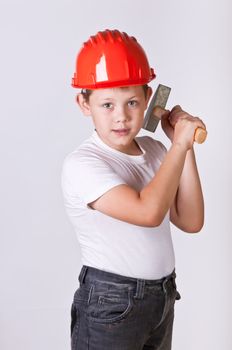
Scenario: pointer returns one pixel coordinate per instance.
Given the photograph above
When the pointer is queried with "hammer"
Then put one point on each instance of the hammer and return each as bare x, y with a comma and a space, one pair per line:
152, 117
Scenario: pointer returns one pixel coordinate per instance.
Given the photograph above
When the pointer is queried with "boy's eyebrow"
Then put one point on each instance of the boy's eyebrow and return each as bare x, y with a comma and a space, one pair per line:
111, 98
133, 97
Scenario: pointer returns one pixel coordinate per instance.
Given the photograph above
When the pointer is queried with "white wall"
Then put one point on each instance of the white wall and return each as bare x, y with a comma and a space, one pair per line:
189, 45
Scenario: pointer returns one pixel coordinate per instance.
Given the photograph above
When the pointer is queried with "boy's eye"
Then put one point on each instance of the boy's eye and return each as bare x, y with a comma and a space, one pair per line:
132, 103
108, 105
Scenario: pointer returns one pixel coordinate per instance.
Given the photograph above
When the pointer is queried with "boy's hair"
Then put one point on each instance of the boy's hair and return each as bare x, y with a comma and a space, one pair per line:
87, 92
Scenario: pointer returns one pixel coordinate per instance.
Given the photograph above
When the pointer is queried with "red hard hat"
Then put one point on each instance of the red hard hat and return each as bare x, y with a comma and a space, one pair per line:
110, 59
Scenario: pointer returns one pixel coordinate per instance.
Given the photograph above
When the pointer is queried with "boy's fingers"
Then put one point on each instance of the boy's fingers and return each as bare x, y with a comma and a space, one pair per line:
201, 121
160, 112
165, 122
177, 108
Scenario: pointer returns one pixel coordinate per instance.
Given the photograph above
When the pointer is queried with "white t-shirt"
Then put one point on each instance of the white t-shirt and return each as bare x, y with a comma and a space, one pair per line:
106, 243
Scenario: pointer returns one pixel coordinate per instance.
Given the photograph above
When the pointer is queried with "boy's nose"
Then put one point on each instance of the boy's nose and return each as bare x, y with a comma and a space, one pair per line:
120, 116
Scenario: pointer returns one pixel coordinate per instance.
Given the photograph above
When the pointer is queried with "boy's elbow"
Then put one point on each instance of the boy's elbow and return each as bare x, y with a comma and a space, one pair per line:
153, 220
187, 224
196, 228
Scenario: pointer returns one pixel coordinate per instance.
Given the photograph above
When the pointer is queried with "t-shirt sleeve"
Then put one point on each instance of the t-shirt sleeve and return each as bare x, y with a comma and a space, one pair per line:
88, 177
162, 149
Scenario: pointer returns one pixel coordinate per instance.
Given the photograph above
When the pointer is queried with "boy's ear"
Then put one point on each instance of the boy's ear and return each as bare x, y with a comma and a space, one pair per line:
148, 96
83, 104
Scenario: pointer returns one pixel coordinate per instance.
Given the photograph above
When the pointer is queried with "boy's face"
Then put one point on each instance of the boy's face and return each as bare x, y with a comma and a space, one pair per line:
117, 114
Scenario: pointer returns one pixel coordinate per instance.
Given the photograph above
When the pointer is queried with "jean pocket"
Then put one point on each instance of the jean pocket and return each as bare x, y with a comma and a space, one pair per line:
82, 294
110, 306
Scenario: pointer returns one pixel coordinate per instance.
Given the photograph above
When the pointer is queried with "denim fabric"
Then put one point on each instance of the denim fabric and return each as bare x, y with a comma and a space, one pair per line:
114, 312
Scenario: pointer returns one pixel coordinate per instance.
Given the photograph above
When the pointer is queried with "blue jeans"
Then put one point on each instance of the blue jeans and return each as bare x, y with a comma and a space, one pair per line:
114, 312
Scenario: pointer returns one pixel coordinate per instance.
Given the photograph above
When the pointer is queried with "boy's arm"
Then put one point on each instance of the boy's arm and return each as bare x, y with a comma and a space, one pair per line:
187, 211
149, 206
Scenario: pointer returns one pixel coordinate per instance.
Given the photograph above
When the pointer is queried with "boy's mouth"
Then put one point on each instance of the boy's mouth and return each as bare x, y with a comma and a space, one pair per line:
121, 132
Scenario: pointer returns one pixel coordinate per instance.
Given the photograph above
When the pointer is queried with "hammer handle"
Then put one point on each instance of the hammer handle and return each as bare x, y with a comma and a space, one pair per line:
200, 135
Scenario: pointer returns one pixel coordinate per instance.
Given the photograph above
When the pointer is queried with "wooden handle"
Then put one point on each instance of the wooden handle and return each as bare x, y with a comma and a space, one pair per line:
200, 135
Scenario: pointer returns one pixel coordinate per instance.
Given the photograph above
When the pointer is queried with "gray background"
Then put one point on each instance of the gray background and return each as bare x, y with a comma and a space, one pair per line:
189, 45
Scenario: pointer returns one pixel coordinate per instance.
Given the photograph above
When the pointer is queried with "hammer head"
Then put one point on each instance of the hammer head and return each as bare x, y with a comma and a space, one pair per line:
159, 98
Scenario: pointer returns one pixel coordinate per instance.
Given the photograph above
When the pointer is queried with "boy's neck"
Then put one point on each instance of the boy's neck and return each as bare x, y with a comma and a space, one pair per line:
136, 151
133, 150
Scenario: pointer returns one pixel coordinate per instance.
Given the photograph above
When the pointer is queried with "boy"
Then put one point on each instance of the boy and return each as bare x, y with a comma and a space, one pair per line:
121, 192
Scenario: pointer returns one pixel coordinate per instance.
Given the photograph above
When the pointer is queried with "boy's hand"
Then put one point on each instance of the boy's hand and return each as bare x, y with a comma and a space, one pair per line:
180, 126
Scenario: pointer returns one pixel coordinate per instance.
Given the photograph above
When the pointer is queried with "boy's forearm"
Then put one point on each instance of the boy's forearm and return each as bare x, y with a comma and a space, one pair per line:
189, 201
158, 196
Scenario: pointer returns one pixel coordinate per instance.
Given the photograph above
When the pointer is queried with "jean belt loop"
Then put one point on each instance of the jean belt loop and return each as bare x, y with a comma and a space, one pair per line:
174, 279
140, 289
164, 284
82, 274
171, 278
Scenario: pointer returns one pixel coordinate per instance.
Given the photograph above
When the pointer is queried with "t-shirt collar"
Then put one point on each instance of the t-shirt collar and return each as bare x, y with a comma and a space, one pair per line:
137, 158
